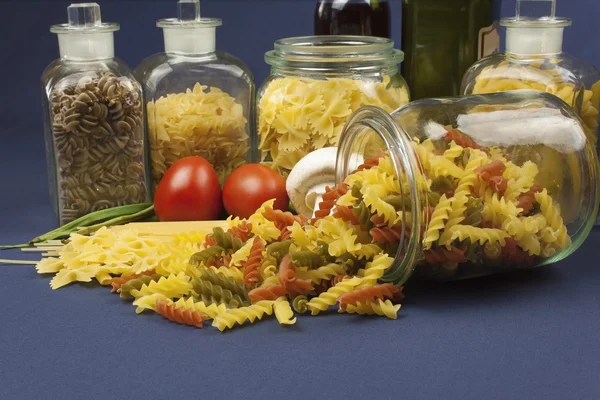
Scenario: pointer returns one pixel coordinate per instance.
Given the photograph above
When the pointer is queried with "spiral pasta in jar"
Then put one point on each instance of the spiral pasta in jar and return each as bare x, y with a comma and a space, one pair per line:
94, 121
199, 100
468, 186
315, 84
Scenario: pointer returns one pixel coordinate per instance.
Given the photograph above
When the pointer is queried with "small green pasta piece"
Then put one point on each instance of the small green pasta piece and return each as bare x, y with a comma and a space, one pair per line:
230, 318
226, 240
351, 263
306, 259
364, 215
474, 209
442, 184
279, 249
299, 304
400, 202
204, 256
136, 284
356, 191
219, 279
474, 252
207, 288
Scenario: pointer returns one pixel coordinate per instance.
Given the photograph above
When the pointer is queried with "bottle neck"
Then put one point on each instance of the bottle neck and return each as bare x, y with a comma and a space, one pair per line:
525, 41
86, 46
196, 40
371, 125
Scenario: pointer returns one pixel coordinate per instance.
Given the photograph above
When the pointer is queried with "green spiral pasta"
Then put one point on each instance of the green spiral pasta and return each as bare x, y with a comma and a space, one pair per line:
208, 289
206, 255
364, 215
474, 209
306, 259
219, 279
136, 284
230, 318
279, 249
299, 304
356, 191
226, 240
442, 184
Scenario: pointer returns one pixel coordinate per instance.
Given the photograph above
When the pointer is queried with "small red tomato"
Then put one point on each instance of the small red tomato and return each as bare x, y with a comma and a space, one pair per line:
249, 186
189, 191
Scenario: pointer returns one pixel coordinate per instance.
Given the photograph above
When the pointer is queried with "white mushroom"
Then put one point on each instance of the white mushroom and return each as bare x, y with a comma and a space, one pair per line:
307, 181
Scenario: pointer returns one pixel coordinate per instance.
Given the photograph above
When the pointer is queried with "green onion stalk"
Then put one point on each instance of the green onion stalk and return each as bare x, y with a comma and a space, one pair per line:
90, 223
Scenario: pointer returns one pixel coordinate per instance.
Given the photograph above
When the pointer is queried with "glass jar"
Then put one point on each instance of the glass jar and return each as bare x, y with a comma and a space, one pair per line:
534, 59
472, 186
93, 120
316, 82
441, 39
199, 100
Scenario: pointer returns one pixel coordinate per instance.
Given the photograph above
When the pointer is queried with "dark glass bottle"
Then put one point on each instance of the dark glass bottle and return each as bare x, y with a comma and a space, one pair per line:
441, 39
353, 17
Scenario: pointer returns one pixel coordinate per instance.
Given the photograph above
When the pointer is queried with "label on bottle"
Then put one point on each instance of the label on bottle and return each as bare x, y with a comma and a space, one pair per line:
489, 40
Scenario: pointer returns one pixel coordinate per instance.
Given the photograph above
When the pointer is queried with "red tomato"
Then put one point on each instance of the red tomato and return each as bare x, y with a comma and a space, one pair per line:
251, 185
189, 191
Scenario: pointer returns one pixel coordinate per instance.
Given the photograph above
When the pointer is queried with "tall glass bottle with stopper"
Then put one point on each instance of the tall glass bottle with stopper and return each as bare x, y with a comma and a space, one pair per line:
534, 59
94, 122
199, 101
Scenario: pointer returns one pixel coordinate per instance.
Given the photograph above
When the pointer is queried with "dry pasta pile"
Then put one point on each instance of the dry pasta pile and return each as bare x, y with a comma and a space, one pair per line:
506, 76
204, 122
484, 212
299, 115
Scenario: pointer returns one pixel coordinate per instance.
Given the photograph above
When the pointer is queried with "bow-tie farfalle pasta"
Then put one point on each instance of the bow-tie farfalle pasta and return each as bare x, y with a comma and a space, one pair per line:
299, 115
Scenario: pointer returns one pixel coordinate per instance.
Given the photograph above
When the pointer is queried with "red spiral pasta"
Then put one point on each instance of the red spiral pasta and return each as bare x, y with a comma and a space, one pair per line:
287, 276
117, 282
387, 234
184, 316
219, 262
371, 162
329, 198
493, 169
241, 231
363, 295
378, 221
253, 263
271, 292
463, 140
513, 254
498, 184
345, 213
209, 241
442, 255
283, 220
527, 200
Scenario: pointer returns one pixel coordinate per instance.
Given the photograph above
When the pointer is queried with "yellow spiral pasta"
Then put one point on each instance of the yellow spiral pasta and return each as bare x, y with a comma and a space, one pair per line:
322, 273
498, 209
375, 270
380, 307
229, 318
453, 152
456, 216
438, 221
555, 222
329, 298
478, 235
283, 312
171, 286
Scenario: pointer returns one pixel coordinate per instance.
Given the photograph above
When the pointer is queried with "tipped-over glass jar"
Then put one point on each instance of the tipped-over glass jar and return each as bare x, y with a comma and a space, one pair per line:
470, 186
93, 120
199, 100
316, 82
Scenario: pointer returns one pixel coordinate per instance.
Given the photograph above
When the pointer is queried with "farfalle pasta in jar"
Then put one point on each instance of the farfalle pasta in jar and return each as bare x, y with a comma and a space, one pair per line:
468, 186
199, 101
316, 83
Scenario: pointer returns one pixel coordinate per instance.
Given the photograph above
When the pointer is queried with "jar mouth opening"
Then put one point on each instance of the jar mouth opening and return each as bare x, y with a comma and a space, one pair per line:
104, 27
539, 23
176, 23
334, 49
369, 123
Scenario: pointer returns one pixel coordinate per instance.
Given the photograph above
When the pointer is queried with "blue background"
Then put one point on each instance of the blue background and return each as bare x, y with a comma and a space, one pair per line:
526, 335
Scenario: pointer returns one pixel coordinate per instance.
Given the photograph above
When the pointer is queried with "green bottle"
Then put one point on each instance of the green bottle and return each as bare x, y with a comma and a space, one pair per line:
441, 39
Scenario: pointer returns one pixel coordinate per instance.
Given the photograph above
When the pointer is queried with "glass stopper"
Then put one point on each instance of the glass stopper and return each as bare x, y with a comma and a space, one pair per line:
535, 9
84, 14
189, 10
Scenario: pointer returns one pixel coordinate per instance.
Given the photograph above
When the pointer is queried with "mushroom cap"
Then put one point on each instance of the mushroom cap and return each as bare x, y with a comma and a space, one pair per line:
309, 177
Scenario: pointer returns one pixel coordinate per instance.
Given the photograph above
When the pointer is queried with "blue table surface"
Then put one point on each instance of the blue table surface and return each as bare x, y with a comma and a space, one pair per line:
532, 334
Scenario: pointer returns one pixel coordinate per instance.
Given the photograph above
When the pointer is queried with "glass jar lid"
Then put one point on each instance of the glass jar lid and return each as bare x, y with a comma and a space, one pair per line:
188, 16
535, 14
347, 51
84, 18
